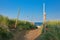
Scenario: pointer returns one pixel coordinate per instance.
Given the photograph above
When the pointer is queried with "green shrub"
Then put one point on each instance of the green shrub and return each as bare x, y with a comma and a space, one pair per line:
5, 34
11, 23
25, 25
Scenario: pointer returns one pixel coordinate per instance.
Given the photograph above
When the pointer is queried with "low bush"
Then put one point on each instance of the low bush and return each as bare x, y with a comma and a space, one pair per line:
5, 34
25, 26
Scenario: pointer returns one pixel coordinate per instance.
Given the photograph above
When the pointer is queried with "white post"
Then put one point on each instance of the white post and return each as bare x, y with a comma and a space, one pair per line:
44, 18
17, 17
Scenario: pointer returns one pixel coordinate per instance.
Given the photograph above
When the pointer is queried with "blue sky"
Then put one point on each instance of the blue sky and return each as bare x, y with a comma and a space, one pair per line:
31, 10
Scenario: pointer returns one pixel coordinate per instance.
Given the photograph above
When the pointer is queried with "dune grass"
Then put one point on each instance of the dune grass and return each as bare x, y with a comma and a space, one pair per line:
52, 32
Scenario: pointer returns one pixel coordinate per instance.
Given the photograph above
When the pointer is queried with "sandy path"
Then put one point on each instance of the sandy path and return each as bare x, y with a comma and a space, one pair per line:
28, 34
32, 34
